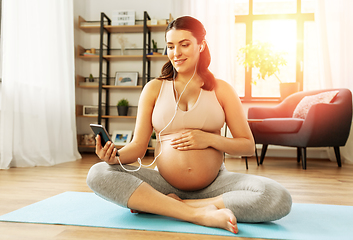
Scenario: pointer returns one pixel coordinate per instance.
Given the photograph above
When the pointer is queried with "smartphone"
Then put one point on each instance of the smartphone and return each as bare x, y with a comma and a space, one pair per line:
102, 132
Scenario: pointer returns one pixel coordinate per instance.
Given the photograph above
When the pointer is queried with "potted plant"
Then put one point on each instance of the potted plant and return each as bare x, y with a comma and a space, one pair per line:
91, 78
268, 61
123, 107
154, 46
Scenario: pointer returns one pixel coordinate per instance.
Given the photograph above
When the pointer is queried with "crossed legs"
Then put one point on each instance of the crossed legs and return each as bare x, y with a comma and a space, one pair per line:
230, 198
145, 197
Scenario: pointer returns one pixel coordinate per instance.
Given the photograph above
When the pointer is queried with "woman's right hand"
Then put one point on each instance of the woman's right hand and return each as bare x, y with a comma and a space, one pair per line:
106, 153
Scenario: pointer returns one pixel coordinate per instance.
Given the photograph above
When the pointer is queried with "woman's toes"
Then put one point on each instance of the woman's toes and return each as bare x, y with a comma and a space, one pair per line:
233, 225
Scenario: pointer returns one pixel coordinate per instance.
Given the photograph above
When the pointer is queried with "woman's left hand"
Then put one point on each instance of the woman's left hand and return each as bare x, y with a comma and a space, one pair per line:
191, 140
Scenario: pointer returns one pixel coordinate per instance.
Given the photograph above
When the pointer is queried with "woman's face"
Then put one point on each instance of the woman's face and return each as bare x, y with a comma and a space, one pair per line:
183, 50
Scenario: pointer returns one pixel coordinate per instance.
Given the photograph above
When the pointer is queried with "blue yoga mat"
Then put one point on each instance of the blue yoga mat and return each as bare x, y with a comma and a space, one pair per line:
306, 221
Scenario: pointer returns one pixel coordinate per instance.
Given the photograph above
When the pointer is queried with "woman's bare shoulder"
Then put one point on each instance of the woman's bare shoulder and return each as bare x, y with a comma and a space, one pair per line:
224, 91
151, 90
153, 87
221, 85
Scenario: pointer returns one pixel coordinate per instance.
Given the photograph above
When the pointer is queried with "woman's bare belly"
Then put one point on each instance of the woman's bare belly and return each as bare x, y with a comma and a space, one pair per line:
188, 170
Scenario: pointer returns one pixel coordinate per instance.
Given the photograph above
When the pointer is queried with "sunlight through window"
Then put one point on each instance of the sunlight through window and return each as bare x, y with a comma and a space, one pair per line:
289, 26
282, 35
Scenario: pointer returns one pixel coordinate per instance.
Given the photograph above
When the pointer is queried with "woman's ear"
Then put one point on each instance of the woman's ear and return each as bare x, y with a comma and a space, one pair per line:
202, 45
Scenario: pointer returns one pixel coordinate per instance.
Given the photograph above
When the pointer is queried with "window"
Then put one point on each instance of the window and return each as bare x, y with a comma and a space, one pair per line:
289, 26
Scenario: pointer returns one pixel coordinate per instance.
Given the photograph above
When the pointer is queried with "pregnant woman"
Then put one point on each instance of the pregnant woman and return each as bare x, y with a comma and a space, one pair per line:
187, 107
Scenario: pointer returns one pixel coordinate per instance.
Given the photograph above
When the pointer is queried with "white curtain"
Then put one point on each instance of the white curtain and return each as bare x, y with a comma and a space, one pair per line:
217, 17
38, 99
335, 29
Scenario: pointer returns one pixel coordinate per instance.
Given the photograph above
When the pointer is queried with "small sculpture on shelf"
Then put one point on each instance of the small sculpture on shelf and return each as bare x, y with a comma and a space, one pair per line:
122, 41
123, 107
87, 140
90, 52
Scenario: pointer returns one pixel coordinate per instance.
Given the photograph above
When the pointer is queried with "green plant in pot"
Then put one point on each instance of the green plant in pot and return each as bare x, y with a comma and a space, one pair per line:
123, 107
91, 78
262, 56
154, 46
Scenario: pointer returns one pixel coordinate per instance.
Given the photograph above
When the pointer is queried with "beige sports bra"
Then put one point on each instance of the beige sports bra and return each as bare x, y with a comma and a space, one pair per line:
206, 114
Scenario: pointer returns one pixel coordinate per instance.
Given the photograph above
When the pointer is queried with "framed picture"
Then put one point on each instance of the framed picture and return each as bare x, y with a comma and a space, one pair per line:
126, 78
121, 137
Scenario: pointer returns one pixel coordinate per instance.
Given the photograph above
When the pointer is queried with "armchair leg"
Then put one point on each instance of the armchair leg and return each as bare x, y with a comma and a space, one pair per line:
303, 155
246, 163
257, 157
338, 156
298, 154
263, 153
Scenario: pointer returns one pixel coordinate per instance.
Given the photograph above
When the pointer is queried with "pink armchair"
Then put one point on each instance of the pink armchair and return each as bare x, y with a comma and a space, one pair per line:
325, 125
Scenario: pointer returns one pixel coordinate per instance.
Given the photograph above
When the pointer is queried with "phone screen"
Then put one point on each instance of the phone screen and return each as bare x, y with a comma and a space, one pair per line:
100, 130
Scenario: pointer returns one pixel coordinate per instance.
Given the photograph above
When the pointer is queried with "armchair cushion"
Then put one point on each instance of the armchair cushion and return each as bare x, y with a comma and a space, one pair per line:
304, 105
280, 125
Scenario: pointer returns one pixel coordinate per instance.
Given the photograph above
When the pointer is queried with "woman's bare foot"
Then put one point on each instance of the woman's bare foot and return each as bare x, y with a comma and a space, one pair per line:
211, 216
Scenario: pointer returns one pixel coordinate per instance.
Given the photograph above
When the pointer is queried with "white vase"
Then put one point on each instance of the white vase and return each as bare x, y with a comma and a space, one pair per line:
153, 142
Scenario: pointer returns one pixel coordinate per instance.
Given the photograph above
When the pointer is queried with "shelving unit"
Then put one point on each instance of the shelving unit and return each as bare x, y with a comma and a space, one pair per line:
105, 57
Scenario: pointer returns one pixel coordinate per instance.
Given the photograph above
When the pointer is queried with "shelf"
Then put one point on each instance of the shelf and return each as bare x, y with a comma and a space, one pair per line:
157, 57
123, 57
87, 116
111, 87
125, 29
122, 117
119, 57
106, 60
117, 146
88, 87
106, 116
95, 28
89, 58
122, 87
87, 146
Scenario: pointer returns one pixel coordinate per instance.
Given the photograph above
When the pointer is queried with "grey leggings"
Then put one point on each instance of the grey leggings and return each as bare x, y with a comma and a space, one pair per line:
251, 198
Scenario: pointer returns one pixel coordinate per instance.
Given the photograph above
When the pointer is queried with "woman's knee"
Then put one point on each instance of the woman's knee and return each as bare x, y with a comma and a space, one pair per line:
96, 175
259, 200
279, 201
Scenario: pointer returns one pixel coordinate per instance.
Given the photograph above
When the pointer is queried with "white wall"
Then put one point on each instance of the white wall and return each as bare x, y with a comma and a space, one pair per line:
155, 8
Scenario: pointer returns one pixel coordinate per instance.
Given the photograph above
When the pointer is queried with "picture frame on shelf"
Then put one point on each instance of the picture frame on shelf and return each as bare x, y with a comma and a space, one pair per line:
126, 78
121, 137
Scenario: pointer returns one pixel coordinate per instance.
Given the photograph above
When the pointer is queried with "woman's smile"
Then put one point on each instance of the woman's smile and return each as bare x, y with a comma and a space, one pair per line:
179, 61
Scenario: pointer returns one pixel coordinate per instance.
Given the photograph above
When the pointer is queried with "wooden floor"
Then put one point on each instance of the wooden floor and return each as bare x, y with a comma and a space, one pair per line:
323, 183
